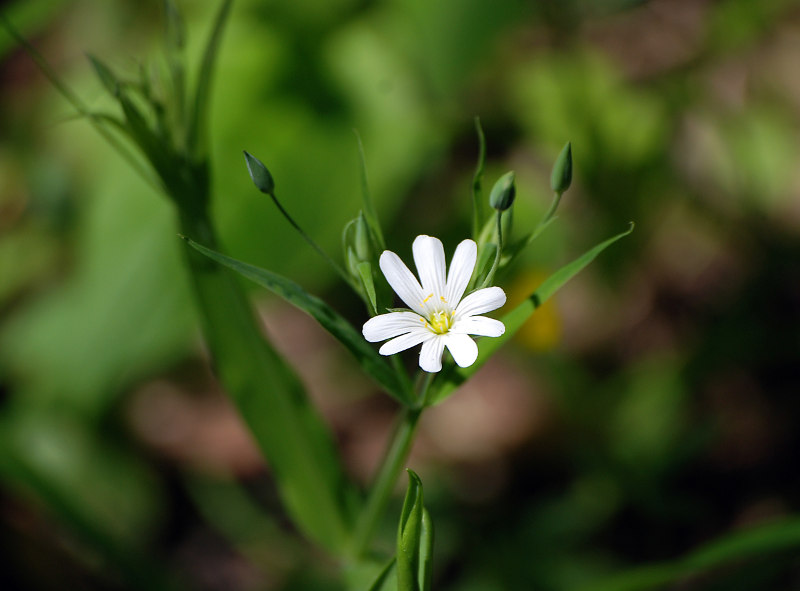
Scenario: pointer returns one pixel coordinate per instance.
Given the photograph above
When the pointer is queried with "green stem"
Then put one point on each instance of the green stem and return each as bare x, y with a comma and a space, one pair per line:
477, 193
336, 267
490, 276
385, 480
552, 210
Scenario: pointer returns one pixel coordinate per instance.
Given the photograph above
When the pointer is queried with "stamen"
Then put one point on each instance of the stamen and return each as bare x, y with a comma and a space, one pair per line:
440, 321
426, 299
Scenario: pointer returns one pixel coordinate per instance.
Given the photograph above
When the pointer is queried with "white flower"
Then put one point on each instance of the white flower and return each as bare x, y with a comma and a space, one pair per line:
438, 317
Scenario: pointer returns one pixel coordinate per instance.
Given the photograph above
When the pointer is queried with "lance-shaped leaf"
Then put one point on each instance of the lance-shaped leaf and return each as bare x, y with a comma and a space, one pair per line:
414, 540
273, 403
328, 318
453, 376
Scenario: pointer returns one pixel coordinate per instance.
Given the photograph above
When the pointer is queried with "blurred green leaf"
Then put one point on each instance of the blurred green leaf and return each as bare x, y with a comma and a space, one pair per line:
29, 16
106, 76
452, 376
330, 320
61, 462
198, 117
387, 579
117, 318
758, 541
371, 574
477, 181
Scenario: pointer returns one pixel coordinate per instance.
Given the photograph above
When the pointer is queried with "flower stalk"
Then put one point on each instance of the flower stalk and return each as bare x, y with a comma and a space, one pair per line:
380, 491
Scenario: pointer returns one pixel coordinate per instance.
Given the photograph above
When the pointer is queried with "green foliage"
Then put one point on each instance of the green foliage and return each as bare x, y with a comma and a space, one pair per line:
414, 540
453, 376
661, 417
366, 355
738, 546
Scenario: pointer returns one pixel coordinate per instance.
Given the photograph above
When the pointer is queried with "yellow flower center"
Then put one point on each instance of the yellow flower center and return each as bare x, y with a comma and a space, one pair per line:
441, 321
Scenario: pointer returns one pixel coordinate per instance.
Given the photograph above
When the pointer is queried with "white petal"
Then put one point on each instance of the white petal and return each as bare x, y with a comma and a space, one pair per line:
479, 326
429, 259
463, 349
402, 280
461, 268
406, 341
430, 357
387, 326
478, 302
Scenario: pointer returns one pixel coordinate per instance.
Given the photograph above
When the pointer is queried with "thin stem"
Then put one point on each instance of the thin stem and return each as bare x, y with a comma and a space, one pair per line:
552, 210
381, 490
490, 276
366, 197
405, 381
422, 395
345, 277
477, 198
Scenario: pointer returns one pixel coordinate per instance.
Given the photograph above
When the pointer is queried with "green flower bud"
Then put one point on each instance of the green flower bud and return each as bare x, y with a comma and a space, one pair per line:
503, 192
561, 177
262, 179
356, 240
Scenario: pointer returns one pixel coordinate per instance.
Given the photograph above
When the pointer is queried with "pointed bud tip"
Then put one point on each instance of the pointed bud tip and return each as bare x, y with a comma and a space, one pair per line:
261, 177
504, 192
561, 177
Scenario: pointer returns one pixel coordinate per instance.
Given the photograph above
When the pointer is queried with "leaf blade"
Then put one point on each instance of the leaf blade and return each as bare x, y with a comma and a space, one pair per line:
453, 376
328, 318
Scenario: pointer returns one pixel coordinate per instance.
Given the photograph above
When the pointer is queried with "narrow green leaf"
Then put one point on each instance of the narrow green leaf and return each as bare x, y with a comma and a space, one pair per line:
197, 124
106, 76
486, 255
366, 196
759, 541
409, 536
174, 28
365, 273
477, 192
272, 401
452, 376
426, 551
385, 581
329, 319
